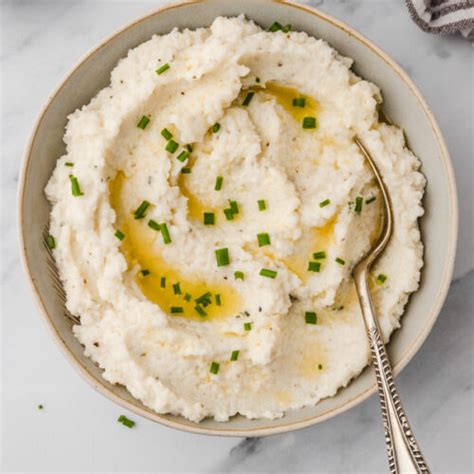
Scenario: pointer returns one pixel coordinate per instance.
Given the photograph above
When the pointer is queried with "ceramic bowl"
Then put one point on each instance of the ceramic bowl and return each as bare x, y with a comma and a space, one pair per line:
402, 102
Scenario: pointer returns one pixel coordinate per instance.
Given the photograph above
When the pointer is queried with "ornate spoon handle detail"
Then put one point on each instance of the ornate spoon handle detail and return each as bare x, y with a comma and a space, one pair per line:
404, 454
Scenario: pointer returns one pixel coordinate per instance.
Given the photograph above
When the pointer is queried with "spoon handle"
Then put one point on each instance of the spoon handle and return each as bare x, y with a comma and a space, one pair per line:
404, 454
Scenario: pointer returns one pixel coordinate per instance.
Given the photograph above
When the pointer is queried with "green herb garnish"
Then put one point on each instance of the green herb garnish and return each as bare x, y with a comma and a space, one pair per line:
239, 275
248, 98
314, 267
209, 218
176, 288
234, 207
358, 204
143, 122
214, 369
310, 317
125, 421
299, 102
186, 170
234, 356
222, 257
51, 242
319, 255
145, 272
140, 211
309, 122
75, 188
200, 311
218, 185
183, 156
275, 26
261, 205
153, 225
370, 200
176, 310
263, 239
268, 273
69, 164
165, 233
187, 297
216, 127
166, 134
382, 278
171, 146
218, 299
325, 203
247, 326
229, 215
163, 282
163, 69
340, 261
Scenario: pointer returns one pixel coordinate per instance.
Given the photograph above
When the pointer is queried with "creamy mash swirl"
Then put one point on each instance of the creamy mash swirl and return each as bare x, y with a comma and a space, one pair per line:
209, 211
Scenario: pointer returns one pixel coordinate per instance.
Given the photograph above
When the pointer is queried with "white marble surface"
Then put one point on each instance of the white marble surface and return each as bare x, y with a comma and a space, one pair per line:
77, 430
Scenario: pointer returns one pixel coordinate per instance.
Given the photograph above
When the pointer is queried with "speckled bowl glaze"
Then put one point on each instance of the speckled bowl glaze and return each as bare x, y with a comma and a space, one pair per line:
403, 103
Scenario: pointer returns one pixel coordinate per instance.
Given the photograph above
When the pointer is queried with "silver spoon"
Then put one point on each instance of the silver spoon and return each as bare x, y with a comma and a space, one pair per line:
404, 455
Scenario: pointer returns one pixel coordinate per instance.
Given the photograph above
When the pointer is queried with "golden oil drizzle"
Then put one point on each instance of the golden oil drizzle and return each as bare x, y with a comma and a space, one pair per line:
139, 249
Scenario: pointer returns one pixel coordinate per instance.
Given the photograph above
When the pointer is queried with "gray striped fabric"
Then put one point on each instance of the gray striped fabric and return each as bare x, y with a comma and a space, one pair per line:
444, 16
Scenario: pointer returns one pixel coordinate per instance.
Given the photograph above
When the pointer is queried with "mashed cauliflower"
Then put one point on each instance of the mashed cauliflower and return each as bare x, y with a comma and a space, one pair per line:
208, 213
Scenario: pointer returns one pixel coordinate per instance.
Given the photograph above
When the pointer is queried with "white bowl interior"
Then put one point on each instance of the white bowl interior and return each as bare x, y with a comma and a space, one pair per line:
402, 104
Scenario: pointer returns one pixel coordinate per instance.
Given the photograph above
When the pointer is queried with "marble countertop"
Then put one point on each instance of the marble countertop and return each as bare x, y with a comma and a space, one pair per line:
77, 429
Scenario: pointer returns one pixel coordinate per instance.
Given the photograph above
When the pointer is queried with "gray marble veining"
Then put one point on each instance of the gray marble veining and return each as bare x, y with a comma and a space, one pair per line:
77, 431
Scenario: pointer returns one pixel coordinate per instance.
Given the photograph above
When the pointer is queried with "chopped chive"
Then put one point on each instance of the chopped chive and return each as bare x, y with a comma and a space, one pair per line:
214, 369
163, 282
145, 272
248, 98
229, 215
234, 207
320, 366
218, 185
263, 239
163, 69
189, 147
324, 203
119, 234
125, 421
166, 134
216, 127
309, 122
358, 204
234, 356
200, 311
186, 170
69, 164
140, 211
218, 299
187, 297
176, 309
257, 80
153, 225
268, 273
75, 188
286, 28
222, 257
370, 200
382, 278
340, 261
183, 156
143, 122
40, 407
299, 102
165, 233
314, 267
261, 204
52, 242
171, 146
319, 255
176, 289
310, 317
204, 300
275, 26
247, 326
209, 218
239, 275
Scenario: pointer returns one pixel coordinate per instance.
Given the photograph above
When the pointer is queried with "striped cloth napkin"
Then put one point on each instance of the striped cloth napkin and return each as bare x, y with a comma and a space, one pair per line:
444, 16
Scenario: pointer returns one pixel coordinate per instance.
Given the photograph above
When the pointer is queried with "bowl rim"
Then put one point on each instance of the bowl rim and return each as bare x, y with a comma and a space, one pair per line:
284, 427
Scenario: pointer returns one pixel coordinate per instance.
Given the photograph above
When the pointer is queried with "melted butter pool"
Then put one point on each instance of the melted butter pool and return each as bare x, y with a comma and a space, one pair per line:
139, 249
284, 96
